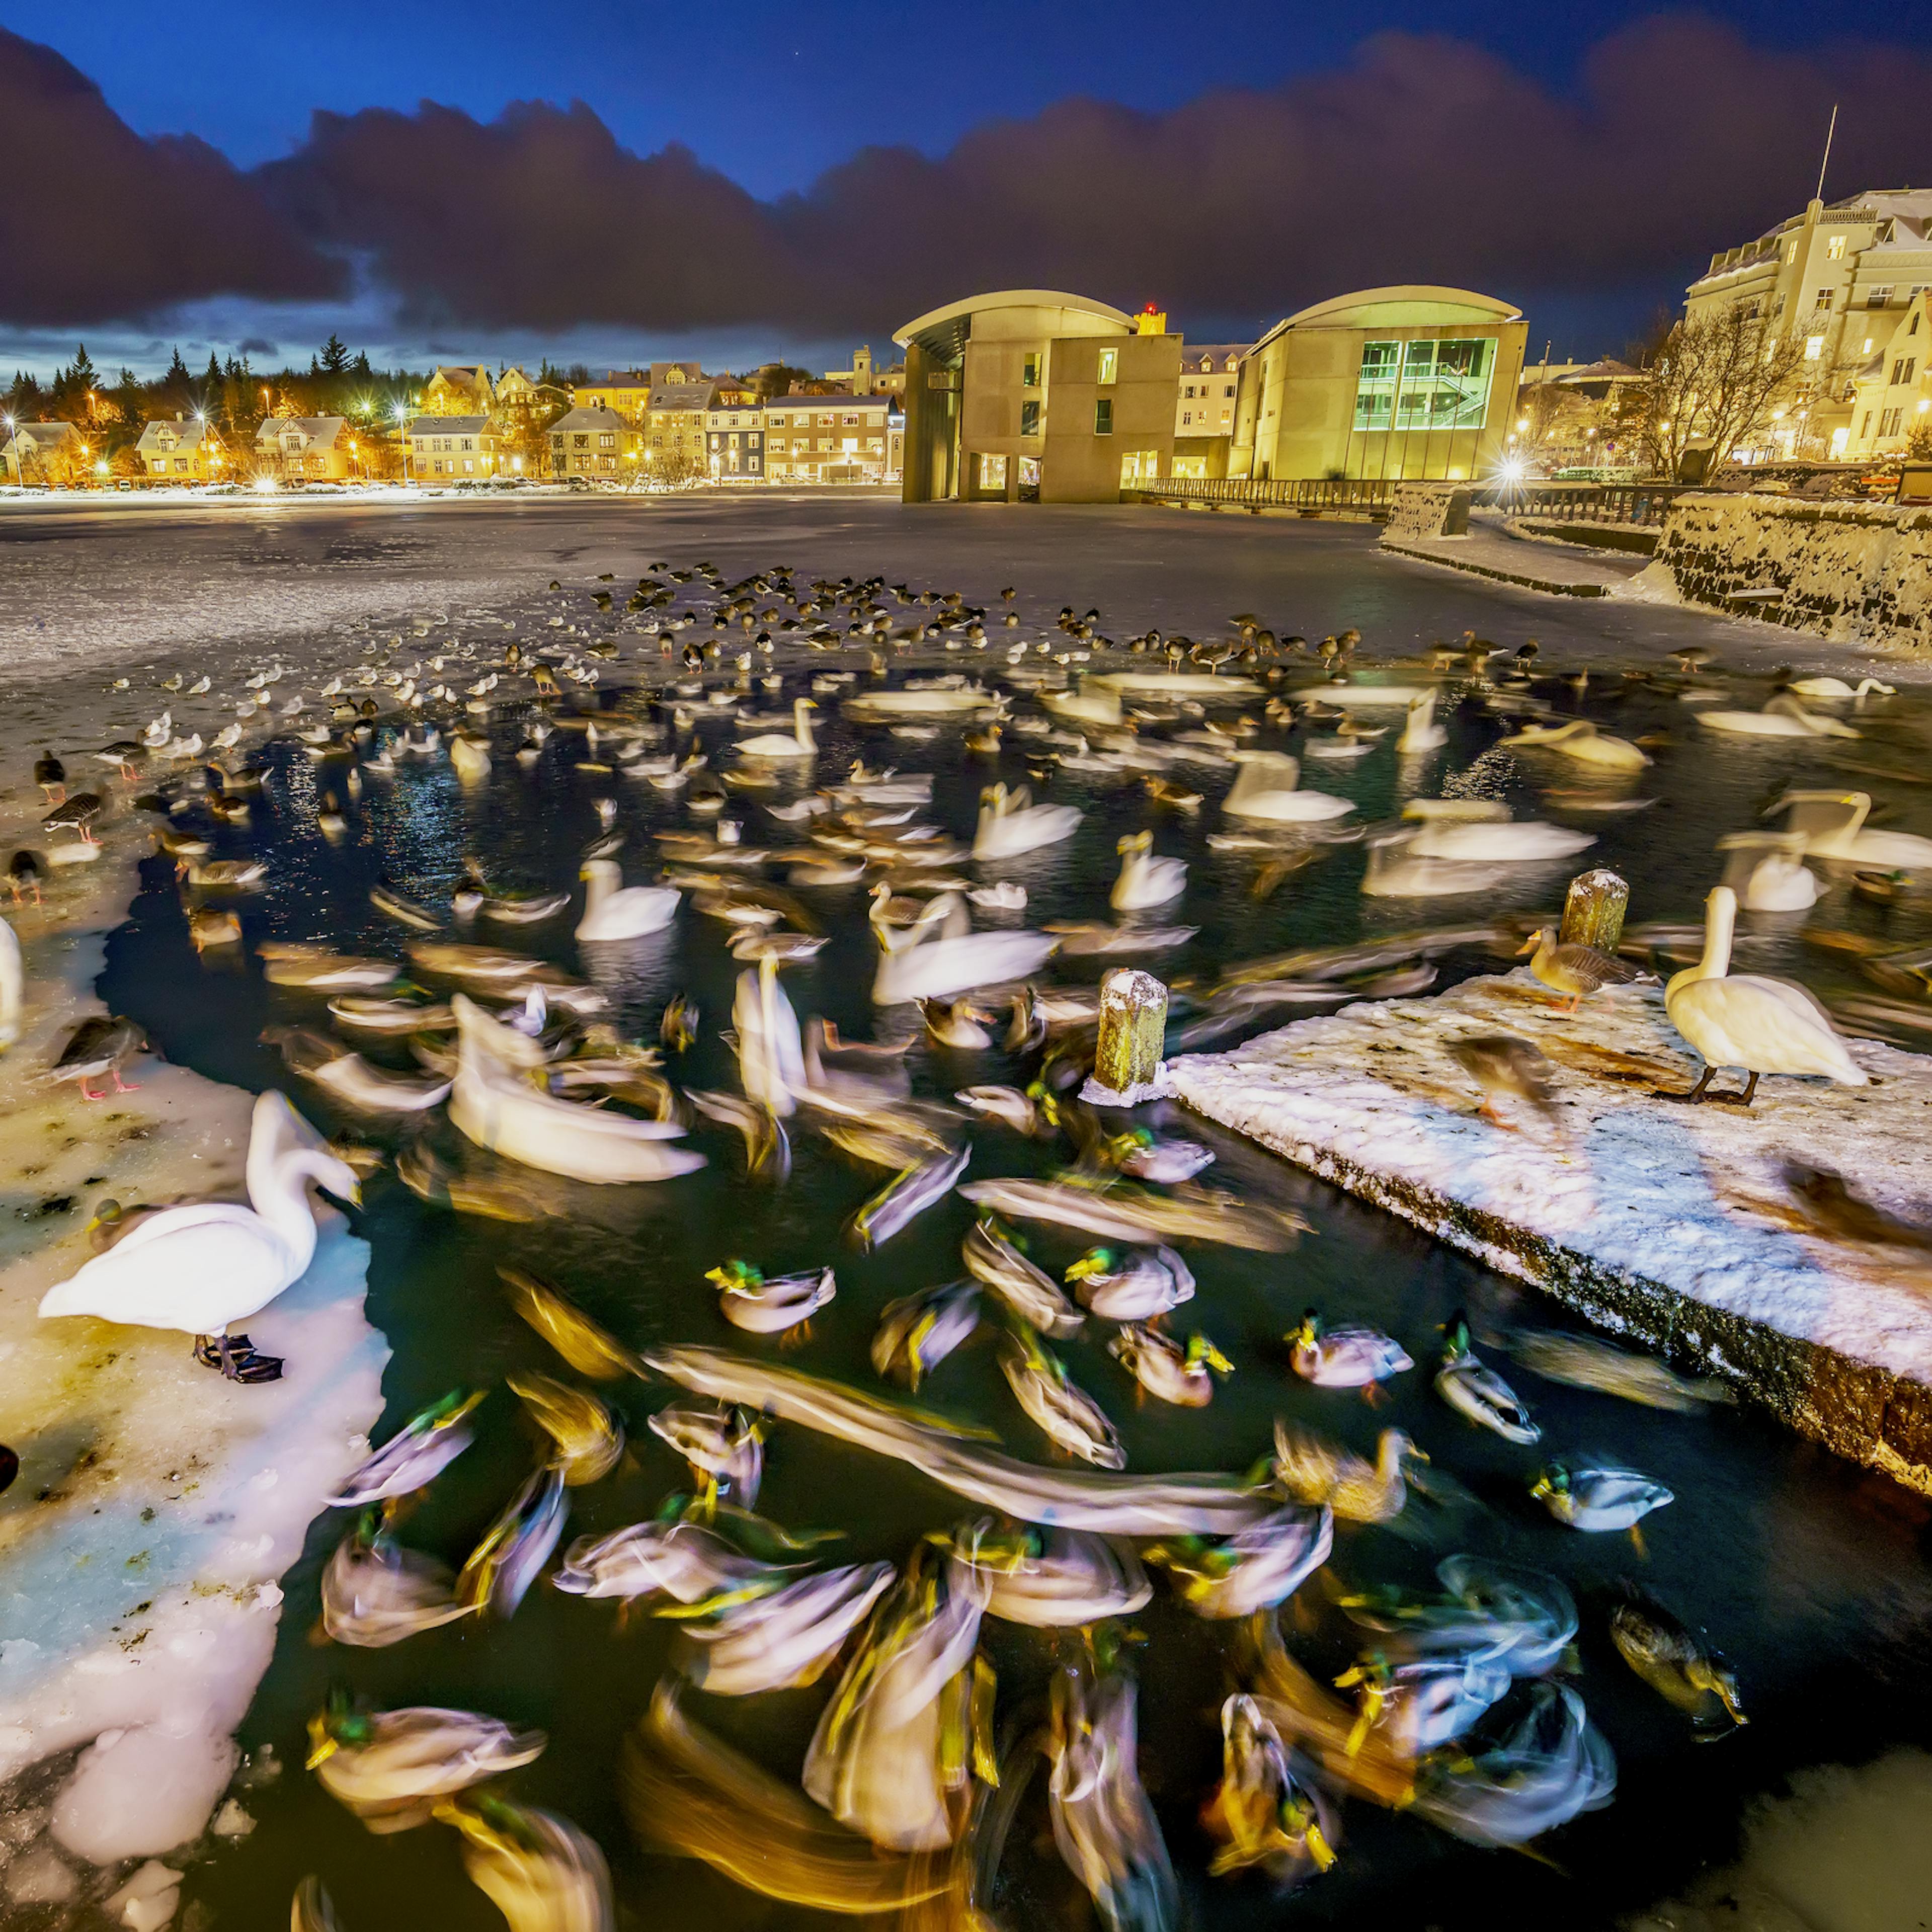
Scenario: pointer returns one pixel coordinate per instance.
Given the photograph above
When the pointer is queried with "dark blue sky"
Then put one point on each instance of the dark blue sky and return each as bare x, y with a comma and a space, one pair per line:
768, 98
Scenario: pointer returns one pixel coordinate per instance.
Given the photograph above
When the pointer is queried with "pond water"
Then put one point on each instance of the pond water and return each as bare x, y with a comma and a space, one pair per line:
1811, 1576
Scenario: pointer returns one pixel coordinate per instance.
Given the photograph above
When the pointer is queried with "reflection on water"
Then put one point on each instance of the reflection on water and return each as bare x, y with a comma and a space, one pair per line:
1811, 1576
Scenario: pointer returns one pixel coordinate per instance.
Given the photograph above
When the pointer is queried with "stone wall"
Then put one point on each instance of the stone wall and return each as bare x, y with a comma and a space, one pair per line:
1428, 510
1854, 572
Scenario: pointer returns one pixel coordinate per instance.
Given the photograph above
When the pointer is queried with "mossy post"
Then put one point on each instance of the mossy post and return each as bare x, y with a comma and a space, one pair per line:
1133, 1026
1593, 914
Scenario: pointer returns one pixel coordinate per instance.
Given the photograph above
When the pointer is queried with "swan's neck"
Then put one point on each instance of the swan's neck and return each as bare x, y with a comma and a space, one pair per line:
282, 1199
596, 890
1716, 962
804, 726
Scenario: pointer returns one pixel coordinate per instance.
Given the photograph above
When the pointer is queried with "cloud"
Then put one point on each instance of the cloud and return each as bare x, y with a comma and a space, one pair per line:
96, 222
1421, 158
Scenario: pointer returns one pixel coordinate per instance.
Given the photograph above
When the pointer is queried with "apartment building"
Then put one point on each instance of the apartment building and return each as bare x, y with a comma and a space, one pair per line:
628, 392
675, 428
1204, 407
595, 442
833, 439
458, 391
1892, 405
186, 450
450, 449
734, 435
314, 449
1838, 277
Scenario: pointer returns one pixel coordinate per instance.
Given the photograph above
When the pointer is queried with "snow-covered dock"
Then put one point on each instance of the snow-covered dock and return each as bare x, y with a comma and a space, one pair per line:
1682, 1228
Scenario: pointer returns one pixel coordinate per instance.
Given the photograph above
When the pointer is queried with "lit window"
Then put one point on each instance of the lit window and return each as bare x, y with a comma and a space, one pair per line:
1103, 416
1229, 392
1029, 373
1110, 363
992, 472
1835, 249
1822, 299
1814, 347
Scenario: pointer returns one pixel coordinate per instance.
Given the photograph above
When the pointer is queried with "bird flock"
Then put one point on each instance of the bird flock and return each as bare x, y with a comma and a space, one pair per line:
1462, 1705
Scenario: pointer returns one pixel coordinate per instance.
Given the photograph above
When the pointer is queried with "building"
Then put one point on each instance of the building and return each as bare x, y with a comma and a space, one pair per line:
1413, 381
1576, 416
626, 391
833, 439
54, 453
183, 451
459, 392
1892, 409
307, 449
519, 398
1838, 277
674, 426
596, 442
1030, 395
450, 449
734, 434
866, 377
1204, 408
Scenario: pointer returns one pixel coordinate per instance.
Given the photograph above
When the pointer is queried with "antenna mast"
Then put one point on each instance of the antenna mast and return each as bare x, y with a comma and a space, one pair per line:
1827, 161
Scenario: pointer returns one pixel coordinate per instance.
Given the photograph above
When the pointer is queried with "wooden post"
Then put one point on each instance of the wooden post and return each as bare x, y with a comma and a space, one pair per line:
1133, 1025
1593, 914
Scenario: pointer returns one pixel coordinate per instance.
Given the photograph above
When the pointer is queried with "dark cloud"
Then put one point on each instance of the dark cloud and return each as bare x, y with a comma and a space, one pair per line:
96, 222
1423, 159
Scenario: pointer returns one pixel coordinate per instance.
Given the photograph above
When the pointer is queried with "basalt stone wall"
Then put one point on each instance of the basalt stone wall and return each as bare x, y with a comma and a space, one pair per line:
1855, 572
1428, 510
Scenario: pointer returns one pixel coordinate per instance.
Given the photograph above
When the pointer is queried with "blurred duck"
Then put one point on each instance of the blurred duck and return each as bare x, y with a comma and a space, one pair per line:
1307, 1470
1477, 1391
724, 1447
376, 1593
1506, 1068
1169, 1370
414, 1455
1677, 1664
1139, 1286
674, 1556
391, 1767
1254, 1569
781, 1640
1071, 1419
587, 1438
516, 1546
1598, 1499
1053, 1578
992, 1257
1552, 1765
1344, 1357
1261, 1813
918, 1332
540, 1871
773, 1306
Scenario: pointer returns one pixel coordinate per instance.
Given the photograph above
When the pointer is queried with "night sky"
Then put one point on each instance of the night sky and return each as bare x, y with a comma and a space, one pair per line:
609, 183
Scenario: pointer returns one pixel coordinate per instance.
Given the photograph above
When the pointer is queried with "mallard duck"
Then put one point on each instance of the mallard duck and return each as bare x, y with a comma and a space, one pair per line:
1140, 1285
515, 1547
1260, 1813
1676, 1663
1478, 1392
376, 1593
917, 1333
1070, 1418
1577, 970
1254, 1569
780, 1640
723, 1445
1052, 1578
1168, 1369
992, 1257
97, 1049
1598, 1499
391, 1767
588, 1438
1148, 1156
1306, 1469
1345, 1357
773, 1306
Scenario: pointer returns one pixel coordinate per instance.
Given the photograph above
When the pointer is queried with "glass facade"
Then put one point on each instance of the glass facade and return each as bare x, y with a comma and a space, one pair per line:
1424, 385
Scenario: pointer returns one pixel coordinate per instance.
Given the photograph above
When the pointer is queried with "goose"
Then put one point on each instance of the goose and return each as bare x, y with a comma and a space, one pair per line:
1346, 1358
776, 744
1832, 826
1473, 1390
1011, 824
1576, 970
1265, 787
1782, 717
202, 1267
1419, 732
614, 910
1145, 879
1580, 740
1598, 1499
1761, 1025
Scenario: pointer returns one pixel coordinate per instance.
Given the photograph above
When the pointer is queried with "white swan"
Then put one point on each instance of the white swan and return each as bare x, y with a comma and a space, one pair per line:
12, 985
1011, 824
1145, 880
613, 911
1348, 696
495, 1105
1832, 825
938, 956
1761, 1025
1837, 687
1783, 717
1769, 875
1420, 731
776, 744
201, 1267
771, 1055
1581, 740
1495, 841
471, 760
1266, 787
1101, 708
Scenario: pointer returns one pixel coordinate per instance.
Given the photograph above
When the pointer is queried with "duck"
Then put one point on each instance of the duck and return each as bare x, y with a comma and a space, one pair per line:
1473, 1390
1677, 1663
97, 1049
1345, 1357
723, 1446
1782, 717
1253, 1569
776, 744
204, 1267
1595, 1499
1419, 732
991, 1257
1760, 1024
391, 1767
1069, 1417
1170, 1371
1307, 1470
1261, 1813
414, 1455
613, 911
1505, 1066
1582, 741
1145, 879
1577, 970
50, 775
1141, 1285
770, 1306
1266, 786
1011, 824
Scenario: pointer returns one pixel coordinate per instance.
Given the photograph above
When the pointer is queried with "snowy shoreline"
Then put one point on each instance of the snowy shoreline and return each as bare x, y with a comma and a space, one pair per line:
1672, 1225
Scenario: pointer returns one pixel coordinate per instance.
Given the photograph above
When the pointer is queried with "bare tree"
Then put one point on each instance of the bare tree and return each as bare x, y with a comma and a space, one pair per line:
1715, 381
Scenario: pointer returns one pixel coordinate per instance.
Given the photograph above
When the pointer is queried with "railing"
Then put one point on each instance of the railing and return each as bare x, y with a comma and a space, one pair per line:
1310, 494
1640, 503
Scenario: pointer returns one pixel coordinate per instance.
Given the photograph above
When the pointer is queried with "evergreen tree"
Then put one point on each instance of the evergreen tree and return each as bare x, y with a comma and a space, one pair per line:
211, 377
83, 375
130, 398
362, 369
335, 358
177, 373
